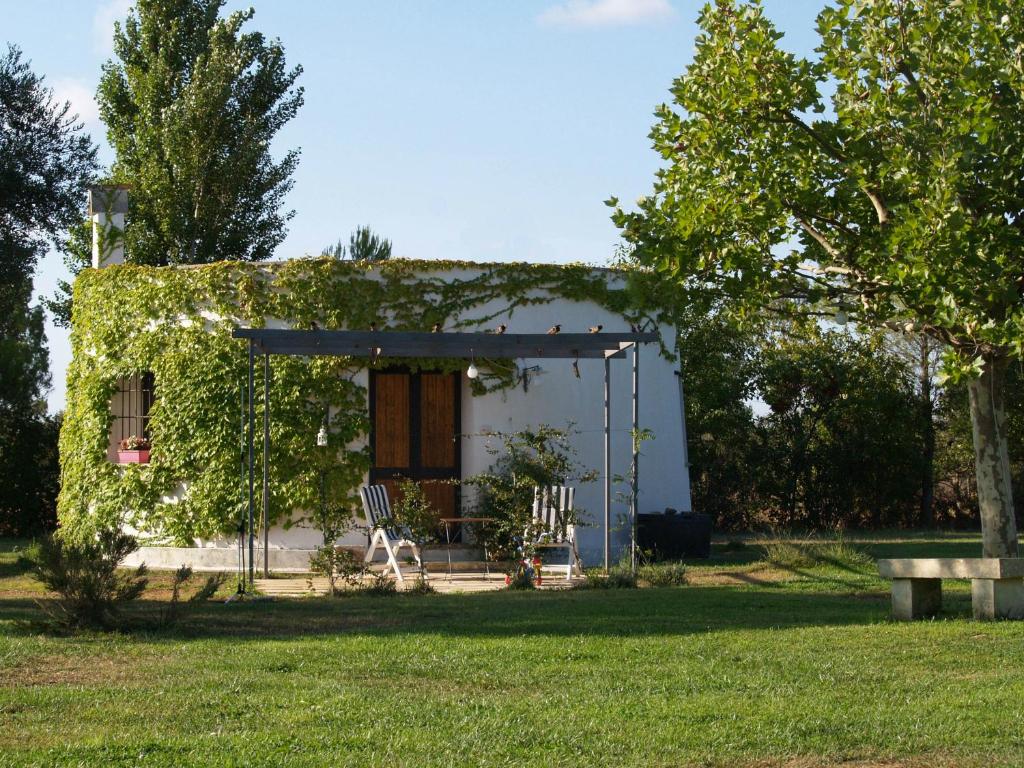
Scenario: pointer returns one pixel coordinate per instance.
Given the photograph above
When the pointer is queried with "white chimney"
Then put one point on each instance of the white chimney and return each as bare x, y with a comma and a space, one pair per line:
107, 206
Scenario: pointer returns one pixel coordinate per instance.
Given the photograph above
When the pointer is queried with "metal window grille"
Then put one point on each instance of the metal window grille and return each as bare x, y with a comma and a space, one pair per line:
132, 403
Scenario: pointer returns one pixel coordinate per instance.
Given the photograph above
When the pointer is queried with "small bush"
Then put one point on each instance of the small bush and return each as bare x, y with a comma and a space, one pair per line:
520, 580
421, 587
338, 565
617, 578
170, 614
789, 554
91, 590
381, 585
663, 575
842, 553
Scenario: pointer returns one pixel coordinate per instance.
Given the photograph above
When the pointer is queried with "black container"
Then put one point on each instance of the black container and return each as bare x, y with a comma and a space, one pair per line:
674, 536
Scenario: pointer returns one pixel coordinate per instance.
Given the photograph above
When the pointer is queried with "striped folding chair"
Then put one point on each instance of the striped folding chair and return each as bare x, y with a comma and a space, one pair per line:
386, 534
553, 524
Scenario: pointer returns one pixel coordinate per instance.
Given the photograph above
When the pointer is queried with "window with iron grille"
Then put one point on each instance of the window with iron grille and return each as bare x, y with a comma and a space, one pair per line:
131, 404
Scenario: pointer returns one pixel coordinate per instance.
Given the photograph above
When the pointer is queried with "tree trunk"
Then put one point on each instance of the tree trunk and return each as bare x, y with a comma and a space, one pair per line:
992, 461
927, 518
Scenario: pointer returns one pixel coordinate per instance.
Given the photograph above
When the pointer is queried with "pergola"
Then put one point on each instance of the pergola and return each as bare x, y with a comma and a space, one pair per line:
374, 345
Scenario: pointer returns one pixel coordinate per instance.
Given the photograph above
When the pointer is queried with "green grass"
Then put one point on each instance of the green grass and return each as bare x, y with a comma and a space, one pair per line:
750, 664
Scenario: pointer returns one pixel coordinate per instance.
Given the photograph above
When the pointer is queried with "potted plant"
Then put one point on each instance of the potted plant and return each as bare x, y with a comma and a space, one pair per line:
133, 450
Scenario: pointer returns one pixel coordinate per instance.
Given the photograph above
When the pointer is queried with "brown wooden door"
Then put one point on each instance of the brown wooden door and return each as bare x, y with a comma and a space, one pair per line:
415, 426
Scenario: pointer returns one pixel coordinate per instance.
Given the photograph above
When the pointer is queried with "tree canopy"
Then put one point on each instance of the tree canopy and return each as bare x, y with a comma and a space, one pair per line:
46, 163
882, 180
363, 245
192, 104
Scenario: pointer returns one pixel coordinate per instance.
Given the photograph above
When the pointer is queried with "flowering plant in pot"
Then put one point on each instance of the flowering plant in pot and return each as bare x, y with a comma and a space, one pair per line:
133, 450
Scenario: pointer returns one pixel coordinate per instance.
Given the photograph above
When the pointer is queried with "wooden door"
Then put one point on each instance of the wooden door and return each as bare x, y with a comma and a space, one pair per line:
415, 425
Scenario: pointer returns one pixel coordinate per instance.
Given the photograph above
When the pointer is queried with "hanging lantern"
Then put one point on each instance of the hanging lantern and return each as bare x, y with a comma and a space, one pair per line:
472, 372
321, 437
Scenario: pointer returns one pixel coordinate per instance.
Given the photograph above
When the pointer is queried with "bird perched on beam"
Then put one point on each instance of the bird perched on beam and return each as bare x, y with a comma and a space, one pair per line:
595, 328
436, 328
501, 329
373, 326
554, 329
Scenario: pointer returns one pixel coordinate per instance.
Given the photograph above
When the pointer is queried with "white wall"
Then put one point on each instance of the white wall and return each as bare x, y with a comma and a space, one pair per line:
556, 397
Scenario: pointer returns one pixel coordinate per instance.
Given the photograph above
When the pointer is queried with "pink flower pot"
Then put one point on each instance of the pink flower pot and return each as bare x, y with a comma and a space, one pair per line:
133, 457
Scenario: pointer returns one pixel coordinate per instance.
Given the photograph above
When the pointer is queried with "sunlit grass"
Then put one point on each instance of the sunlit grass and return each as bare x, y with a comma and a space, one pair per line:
751, 663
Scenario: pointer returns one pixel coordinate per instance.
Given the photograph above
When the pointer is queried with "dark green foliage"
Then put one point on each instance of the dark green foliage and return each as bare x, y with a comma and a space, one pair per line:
363, 245
30, 468
46, 161
717, 360
841, 443
192, 104
84, 574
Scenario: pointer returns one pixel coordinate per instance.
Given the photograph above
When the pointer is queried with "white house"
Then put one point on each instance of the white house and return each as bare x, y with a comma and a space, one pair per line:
140, 332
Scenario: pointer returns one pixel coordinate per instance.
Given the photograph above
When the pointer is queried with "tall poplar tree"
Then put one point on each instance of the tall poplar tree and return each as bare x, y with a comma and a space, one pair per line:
192, 104
882, 180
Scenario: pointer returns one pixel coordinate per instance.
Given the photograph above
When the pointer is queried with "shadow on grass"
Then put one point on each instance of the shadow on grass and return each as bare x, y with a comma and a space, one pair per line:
14, 567
605, 613
923, 548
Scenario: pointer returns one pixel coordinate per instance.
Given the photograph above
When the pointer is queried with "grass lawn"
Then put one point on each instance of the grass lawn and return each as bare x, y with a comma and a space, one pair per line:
751, 664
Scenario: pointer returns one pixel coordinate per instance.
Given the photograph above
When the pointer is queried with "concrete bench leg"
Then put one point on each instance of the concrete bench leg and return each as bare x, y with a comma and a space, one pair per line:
916, 598
997, 598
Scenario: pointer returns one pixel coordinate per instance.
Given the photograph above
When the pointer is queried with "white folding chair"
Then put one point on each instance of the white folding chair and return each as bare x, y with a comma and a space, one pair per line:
553, 524
385, 533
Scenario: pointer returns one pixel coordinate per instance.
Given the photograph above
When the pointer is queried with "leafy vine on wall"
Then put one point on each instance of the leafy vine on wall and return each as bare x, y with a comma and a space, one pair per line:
176, 322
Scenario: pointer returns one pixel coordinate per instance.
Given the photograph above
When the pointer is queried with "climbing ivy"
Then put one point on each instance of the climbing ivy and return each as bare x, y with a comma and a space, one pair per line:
177, 322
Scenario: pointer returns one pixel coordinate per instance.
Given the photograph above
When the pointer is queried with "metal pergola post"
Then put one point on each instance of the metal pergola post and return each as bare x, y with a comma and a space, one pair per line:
252, 460
607, 462
266, 466
635, 475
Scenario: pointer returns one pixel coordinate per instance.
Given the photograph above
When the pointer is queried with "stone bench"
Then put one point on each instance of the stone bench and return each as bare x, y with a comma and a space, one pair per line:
997, 585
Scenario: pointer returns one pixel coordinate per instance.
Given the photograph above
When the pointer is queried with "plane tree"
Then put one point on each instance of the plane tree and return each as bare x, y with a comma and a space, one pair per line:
881, 180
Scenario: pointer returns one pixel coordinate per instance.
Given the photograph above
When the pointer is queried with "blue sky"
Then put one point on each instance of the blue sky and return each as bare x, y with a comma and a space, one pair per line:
487, 130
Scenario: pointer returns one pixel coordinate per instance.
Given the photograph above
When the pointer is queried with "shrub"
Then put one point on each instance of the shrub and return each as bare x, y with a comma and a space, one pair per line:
663, 575
84, 574
524, 460
415, 516
790, 554
173, 611
338, 565
381, 585
520, 580
421, 587
617, 578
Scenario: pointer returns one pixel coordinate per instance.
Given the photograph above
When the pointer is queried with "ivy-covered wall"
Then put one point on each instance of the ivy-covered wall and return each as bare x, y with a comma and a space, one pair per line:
176, 322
